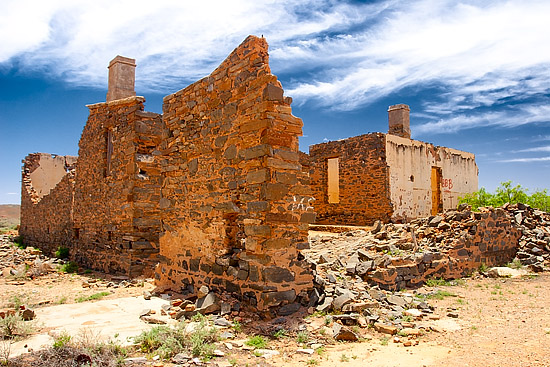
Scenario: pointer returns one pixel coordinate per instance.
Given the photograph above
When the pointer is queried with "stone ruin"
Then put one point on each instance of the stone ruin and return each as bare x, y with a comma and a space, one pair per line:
388, 177
210, 193
212, 197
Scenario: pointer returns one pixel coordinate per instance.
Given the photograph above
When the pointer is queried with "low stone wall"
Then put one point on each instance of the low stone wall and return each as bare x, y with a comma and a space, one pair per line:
465, 243
396, 256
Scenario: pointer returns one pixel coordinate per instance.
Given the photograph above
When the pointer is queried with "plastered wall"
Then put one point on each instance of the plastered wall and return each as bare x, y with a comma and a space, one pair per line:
410, 166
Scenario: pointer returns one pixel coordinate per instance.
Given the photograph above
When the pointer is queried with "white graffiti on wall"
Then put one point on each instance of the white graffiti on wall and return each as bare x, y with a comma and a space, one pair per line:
303, 203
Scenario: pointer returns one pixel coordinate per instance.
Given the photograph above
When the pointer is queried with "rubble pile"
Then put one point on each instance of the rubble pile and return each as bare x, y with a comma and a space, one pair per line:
355, 271
534, 244
20, 263
398, 256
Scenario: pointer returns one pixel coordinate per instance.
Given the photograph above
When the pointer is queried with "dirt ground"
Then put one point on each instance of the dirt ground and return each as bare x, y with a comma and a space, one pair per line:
495, 322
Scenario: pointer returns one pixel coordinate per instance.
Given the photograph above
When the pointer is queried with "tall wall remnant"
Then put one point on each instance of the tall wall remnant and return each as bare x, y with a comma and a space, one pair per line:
117, 188
234, 197
388, 176
47, 190
212, 190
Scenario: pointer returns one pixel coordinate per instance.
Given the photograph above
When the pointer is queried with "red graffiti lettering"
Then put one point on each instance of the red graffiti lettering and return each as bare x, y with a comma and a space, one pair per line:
447, 183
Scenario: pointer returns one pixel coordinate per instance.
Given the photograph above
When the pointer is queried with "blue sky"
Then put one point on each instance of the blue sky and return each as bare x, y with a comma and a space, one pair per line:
475, 73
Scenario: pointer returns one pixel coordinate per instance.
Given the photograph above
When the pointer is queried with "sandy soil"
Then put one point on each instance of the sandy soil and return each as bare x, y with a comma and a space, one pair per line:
501, 322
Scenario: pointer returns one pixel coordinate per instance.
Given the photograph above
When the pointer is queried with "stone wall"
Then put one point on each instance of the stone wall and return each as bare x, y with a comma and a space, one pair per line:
117, 189
46, 201
463, 241
363, 180
234, 200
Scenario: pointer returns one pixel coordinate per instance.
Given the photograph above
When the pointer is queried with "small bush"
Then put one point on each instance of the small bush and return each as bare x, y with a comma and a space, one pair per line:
434, 282
70, 267
302, 336
257, 341
515, 264
61, 340
279, 334
237, 327
19, 242
5, 351
441, 295
86, 349
13, 326
167, 342
62, 253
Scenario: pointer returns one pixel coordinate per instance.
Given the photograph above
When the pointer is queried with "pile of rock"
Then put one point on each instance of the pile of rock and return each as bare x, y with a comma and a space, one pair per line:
355, 270
20, 263
534, 244
397, 256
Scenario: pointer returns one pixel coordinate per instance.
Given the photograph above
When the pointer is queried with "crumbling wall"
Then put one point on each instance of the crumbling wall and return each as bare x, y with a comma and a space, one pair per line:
235, 205
411, 163
47, 189
466, 241
363, 180
117, 188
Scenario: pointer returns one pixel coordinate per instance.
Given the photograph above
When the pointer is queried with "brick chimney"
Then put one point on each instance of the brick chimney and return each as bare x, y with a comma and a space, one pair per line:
122, 76
399, 123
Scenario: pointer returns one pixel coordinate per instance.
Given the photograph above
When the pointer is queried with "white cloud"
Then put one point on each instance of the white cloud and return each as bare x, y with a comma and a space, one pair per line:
525, 160
348, 55
523, 115
478, 51
535, 149
170, 39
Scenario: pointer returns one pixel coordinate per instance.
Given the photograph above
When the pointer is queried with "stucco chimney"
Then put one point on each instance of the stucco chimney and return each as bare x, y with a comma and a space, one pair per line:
122, 76
399, 123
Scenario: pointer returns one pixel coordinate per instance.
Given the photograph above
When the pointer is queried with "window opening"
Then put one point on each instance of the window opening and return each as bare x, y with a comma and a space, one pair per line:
333, 181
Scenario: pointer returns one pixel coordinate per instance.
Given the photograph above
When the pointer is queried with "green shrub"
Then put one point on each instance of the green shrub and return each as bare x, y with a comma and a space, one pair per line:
441, 295
69, 267
434, 282
515, 264
279, 334
237, 327
167, 342
302, 336
257, 341
507, 193
19, 242
62, 253
12, 326
61, 340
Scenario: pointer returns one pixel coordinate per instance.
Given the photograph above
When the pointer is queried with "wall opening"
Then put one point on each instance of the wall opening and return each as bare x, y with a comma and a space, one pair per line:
437, 203
333, 181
